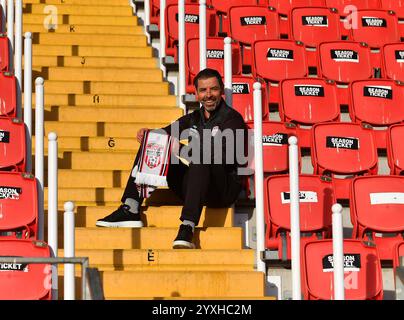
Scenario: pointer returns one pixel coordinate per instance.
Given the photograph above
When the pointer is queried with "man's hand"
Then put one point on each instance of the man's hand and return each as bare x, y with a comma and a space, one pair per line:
140, 134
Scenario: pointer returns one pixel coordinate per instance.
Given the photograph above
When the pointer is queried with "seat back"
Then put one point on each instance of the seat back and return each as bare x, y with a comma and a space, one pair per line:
251, 23
243, 97
223, 6
4, 53
393, 61
12, 145
362, 271
344, 61
275, 145
395, 152
25, 281
377, 204
284, 7
214, 56
275, 60
316, 199
376, 28
8, 95
378, 102
308, 101
315, 25
342, 5
394, 5
19, 205
343, 148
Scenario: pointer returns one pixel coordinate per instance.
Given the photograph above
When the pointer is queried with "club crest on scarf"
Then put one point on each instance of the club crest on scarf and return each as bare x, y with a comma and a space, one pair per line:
153, 154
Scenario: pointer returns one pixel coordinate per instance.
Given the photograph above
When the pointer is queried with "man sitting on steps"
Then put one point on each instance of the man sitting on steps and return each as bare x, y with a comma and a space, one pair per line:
215, 181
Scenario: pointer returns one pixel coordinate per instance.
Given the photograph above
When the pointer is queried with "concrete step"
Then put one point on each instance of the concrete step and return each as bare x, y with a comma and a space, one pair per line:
91, 51
99, 10
100, 129
90, 39
103, 74
120, 284
93, 20
153, 238
86, 29
161, 217
80, 2
92, 62
140, 114
163, 260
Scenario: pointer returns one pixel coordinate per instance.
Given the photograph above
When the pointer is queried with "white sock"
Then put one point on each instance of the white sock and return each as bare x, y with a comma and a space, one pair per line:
133, 204
189, 223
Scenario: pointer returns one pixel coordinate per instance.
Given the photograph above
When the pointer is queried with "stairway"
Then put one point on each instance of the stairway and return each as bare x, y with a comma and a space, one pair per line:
102, 84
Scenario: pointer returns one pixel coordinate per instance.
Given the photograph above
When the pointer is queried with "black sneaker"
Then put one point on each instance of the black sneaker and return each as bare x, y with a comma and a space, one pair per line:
184, 238
121, 217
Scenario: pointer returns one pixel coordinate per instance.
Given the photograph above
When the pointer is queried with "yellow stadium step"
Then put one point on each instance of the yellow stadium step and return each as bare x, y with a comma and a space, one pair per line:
80, 2
110, 114
161, 217
101, 129
86, 29
100, 179
91, 51
153, 238
46, 19
94, 87
92, 62
89, 39
156, 260
98, 144
121, 284
81, 10
104, 74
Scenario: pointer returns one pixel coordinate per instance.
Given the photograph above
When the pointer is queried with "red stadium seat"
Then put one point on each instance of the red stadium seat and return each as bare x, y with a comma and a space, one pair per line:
376, 28
214, 58
155, 8
25, 281
377, 102
377, 204
275, 145
243, 100
4, 53
315, 25
344, 62
8, 95
341, 5
18, 205
12, 145
284, 7
393, 61
395, 151
308, 101
395, 5
191, 25
346, 149
316, 199
251, 23
362, 271
276, 60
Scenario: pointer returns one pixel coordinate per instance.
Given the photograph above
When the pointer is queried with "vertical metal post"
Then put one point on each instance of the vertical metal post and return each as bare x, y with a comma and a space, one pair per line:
294, 216
39, 151
202, 34
259, 177
181, 52
53, 206
228, 72
18, 55
10, 30
69, 248
28, 98
147, 18
162, 34
338, 252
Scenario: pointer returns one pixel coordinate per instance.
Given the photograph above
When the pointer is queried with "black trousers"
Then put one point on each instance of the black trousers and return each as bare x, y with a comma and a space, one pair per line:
197, 185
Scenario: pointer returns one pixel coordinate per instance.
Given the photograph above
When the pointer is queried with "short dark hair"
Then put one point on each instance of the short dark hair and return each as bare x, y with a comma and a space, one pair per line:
208, 73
